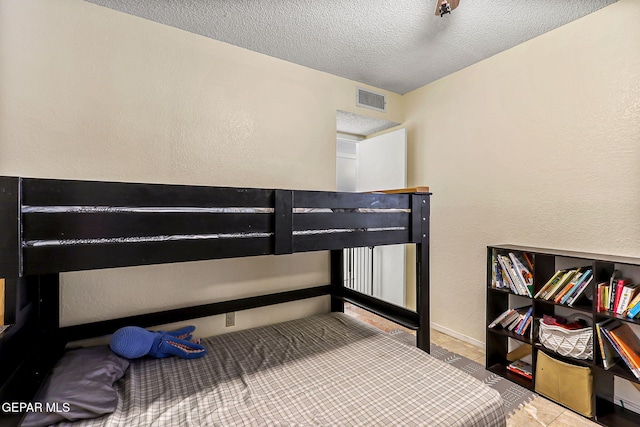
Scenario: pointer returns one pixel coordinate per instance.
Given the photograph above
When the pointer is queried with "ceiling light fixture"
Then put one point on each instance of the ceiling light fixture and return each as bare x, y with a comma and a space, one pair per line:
445, 6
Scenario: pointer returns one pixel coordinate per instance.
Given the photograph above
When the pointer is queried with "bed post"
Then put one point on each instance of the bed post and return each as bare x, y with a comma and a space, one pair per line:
49, 306
420, 235
10, 227
283, 227
337, 274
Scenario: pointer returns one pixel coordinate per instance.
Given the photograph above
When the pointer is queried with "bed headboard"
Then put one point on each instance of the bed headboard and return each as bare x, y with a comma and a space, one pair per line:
49, 226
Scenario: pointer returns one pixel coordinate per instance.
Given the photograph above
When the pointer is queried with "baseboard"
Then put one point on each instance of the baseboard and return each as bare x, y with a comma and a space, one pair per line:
458, 335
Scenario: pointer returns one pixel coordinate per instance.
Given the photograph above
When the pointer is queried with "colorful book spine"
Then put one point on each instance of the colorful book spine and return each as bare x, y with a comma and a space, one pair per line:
634, 311
573, 287
628, 292
520, 329
522, 273
581, 289
616, 301
634, 301
552, 281
566, 278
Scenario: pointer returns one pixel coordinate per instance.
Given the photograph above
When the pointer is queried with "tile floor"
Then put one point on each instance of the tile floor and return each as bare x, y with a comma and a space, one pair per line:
539, 412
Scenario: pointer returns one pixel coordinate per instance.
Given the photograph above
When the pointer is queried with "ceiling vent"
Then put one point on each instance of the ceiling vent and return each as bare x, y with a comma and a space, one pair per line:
369, 99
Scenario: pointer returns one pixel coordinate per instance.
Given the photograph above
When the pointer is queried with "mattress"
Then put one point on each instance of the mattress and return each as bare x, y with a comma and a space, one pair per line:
326, 370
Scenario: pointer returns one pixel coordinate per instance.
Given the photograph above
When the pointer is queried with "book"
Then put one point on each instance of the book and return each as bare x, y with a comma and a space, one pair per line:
634, 311
524, 329
507, 317
634, 301
576, 283
583, 289
619, 285
608, 353
628, 292
626, 343
519, 287
554, 279
500, 318
604, 297
507, 274
516, 320
505, 280
521, 368
562, 292
520, 329
496, 275
522, 273
611, 290
511, 326
566, 278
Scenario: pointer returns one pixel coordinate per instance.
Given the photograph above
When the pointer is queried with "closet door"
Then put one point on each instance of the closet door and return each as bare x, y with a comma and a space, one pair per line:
382, 165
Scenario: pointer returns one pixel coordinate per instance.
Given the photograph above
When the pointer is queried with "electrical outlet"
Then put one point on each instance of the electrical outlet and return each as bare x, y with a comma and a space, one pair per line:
230, 319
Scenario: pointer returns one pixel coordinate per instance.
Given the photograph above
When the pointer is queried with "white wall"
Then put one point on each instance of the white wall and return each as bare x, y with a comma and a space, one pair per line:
346, 164
539, 146
90, 93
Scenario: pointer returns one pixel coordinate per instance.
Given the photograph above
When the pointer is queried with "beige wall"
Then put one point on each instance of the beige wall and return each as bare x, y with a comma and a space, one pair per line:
549, 126
90, 93
539, 146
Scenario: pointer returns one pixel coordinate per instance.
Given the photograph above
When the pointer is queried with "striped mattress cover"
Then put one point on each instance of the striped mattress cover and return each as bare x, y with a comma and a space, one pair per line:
326, 370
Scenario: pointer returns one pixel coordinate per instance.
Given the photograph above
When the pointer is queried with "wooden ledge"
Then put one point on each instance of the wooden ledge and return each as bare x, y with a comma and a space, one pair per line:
420, 189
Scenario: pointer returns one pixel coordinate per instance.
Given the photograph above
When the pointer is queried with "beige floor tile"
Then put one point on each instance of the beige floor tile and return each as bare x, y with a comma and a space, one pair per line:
439, 338
571, 419
543, 410
524, 418
463, 349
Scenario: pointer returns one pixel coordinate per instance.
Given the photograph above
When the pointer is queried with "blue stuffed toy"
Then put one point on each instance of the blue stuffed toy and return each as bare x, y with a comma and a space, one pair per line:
133, 342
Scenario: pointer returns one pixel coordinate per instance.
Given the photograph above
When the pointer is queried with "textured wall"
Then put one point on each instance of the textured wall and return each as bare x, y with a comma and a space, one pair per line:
539, 146
90, 93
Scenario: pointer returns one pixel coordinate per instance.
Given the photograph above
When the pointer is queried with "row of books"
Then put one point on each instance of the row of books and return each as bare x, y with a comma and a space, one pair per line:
513, 272
522, 368
619, 296
618, 342
567, 286
516, 320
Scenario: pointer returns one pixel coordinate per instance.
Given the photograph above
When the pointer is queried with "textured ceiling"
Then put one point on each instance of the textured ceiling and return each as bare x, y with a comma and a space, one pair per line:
397, 45
356, 124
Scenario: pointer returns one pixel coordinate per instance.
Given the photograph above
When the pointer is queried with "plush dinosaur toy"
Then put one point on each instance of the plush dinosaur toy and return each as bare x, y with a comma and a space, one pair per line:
133, 342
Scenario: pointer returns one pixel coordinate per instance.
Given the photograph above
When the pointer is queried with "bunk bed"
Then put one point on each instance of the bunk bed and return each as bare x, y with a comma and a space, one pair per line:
53, 226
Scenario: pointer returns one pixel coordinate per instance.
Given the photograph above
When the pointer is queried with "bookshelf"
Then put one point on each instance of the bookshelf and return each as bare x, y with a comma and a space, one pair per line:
544, 264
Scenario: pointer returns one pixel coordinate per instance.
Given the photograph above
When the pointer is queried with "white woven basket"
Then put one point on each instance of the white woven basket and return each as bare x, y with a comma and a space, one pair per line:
576, 343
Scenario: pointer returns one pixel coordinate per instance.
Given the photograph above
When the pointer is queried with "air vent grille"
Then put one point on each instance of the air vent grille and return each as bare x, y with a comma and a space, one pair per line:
369, 99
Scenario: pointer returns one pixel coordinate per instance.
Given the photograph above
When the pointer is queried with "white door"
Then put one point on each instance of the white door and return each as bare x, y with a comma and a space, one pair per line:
382, 162
382, 165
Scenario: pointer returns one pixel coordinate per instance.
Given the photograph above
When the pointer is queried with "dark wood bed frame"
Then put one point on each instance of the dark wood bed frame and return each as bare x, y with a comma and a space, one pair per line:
36, 246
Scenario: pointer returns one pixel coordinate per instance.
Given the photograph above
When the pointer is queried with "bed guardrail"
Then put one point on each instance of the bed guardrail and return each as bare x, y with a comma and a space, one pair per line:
59, 225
